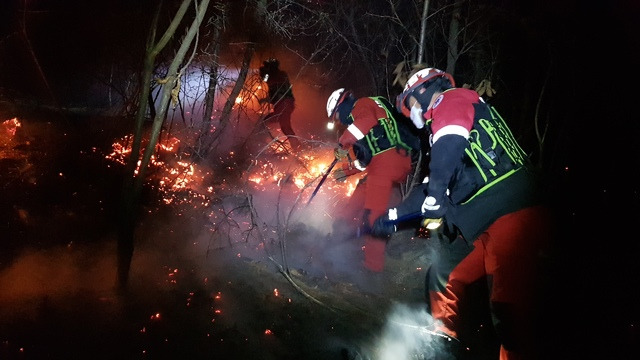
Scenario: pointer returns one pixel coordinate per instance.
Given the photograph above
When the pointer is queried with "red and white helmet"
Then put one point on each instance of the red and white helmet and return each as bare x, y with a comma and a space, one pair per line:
415, 81
335, 99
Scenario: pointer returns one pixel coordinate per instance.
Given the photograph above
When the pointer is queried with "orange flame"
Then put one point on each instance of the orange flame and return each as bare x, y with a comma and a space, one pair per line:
176, 179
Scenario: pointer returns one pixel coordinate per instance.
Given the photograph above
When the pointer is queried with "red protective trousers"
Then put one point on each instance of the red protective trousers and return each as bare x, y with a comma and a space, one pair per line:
282, 111
508, 254
375, 196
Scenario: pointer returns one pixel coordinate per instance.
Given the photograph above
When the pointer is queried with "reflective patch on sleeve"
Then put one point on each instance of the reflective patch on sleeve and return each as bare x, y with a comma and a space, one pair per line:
356, 163
438, 101
451, 130
355, 132
393, 214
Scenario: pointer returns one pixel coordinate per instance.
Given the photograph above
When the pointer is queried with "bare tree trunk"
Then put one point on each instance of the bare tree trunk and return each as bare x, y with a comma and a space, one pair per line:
231, 100
423, 32
454, 29
134, 180
213, 74
129, 198
210, 95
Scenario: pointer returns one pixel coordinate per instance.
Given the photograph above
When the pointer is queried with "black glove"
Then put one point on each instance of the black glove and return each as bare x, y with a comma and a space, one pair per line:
383, 227
433, 208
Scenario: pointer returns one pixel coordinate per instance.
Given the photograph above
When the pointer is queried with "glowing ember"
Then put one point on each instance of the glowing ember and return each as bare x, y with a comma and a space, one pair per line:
121, 150
176, 179
9, 127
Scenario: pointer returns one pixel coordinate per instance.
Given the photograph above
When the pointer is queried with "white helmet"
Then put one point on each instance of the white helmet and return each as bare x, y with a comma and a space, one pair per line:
416, 80
333, 101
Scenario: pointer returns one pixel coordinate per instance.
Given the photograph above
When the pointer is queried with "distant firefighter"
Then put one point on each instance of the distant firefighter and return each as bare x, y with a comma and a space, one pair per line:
281, 97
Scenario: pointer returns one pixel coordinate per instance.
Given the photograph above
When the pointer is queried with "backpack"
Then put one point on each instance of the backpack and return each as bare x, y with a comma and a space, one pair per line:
392, 132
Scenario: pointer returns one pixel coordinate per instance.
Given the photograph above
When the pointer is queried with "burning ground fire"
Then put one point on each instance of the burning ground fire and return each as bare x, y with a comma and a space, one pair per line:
311, 167
183, 182
9, 127
8, 130
178, 181
15, 148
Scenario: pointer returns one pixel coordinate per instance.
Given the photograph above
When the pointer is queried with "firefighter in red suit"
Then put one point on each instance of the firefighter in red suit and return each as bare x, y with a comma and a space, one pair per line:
382, 145
481, 184
281, 97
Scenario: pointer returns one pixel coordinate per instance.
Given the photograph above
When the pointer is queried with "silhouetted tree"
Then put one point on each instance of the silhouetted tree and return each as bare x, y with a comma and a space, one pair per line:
136, 165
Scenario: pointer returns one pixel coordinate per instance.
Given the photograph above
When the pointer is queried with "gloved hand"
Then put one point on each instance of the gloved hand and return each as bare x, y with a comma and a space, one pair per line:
433, 208
339, 175
383, 227
340, 153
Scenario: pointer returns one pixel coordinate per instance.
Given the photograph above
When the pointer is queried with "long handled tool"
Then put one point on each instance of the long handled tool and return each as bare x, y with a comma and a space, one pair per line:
324, 177
430, 224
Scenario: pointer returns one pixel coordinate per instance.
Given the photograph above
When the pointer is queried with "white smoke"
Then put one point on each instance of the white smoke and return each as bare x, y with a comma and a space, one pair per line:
407, 335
